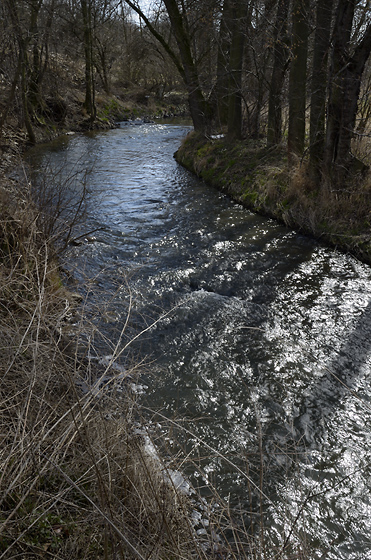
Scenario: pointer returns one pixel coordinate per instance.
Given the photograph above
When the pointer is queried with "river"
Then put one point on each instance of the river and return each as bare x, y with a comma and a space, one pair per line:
257, 335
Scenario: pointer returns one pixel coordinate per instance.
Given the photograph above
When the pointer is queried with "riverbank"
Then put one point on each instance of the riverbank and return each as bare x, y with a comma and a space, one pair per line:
77, 479
80, 474
94, 475
259, 178
110, 110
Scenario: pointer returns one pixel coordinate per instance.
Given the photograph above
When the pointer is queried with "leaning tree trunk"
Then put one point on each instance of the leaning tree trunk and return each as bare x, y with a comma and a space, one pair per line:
280, 61
298, 77
197, 104
184, 62
319, 86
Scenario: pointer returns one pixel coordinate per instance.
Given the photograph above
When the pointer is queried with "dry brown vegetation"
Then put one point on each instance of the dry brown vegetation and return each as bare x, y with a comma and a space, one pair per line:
76, 480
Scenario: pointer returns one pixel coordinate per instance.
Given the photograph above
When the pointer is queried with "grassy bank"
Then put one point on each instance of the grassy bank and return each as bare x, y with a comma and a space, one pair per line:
259, 178
76, 480
110, 110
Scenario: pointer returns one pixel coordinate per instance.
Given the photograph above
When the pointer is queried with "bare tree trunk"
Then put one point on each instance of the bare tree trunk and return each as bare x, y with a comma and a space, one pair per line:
24, 94
23, 41
185, 63
342, 31
198, 107
319, 86
280, 63
236, 58
222, 72
34, 94
298, 77
39, 59
102, 67
89, 103
10, 98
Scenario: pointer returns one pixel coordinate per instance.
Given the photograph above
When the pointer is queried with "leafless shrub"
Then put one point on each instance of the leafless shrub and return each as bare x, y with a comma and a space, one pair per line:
76, 480
61, 197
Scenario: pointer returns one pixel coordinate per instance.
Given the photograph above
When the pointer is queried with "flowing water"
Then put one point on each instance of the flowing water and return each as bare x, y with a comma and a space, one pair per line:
261, 336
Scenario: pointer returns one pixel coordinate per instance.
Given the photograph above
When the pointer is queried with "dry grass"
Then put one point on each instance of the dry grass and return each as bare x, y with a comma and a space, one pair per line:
339, 216
76, 480
79, 474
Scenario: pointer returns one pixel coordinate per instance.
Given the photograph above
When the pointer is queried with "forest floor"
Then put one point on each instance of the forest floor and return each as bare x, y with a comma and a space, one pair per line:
260, 179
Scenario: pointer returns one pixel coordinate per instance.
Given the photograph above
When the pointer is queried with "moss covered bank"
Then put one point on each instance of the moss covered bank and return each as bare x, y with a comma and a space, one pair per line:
260, 179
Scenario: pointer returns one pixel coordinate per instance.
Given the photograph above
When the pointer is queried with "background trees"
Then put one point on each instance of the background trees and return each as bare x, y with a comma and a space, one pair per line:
279, 65
287, 71
58, 55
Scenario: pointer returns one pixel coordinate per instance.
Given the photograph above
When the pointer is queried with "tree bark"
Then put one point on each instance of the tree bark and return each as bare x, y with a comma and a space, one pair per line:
185, 63
11, 95
24, 92
298, 77
197, 103
222, 71
23, 40
235, 65
345, 78
319, 86
280, 63
101, 67
34, 94
89, 103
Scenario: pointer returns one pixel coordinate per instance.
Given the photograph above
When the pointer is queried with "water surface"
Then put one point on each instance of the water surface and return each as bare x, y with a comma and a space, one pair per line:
260, 336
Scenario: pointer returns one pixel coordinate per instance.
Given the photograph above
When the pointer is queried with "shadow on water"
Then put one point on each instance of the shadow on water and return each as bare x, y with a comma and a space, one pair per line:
317, 435
340, 377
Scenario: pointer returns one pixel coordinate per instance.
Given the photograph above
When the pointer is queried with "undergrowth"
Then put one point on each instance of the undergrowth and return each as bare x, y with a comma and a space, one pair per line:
76, 480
